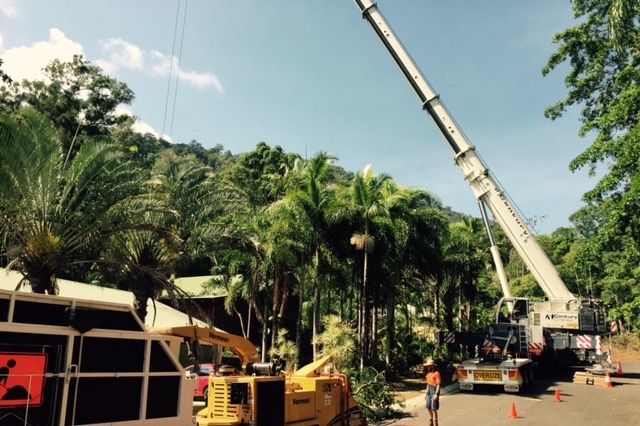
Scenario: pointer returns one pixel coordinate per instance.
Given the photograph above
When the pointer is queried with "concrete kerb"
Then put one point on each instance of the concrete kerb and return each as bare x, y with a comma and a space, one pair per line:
419, 401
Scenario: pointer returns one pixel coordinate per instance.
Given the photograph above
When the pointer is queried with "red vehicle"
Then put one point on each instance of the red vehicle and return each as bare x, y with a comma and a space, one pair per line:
202, 392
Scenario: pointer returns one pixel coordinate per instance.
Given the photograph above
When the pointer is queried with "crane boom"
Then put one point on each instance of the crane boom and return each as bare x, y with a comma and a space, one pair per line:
486, 189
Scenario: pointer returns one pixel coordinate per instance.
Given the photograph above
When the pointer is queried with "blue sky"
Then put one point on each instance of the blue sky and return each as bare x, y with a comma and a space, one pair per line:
312, 76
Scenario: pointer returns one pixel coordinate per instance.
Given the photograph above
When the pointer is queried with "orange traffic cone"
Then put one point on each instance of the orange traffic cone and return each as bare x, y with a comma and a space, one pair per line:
514, 412
607, 381
619, 371
557, 397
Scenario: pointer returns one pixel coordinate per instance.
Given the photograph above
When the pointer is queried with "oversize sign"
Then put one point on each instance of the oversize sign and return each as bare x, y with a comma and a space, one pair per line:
487, 376
22, 378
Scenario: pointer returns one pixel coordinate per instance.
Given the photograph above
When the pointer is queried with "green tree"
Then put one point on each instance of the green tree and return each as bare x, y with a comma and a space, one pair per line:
465, 259
145, 148
413, 258
139, 261
77, 97
239, 253
372, 196
184, 198
56, 212
286, 237
602, 50
604, 79
337, 340
3, 76
259, 174
310, 191
195, 196
258, 180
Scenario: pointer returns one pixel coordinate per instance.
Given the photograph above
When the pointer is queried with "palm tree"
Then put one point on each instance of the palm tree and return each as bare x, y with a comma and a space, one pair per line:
238, 289
255, 181
372, 196
415, 255
284, 238
56, 213
234, 240
311, 193
466, 257
187, 197
139, 261
192, 196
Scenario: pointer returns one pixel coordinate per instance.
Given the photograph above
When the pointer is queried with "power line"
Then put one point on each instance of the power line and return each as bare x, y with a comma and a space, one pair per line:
175, 95
175, 32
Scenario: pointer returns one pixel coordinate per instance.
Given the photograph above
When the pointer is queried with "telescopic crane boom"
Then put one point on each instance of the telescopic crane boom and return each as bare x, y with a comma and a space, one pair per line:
484, 186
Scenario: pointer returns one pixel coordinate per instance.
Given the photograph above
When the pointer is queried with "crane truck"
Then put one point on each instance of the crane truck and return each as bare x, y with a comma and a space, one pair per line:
557, 330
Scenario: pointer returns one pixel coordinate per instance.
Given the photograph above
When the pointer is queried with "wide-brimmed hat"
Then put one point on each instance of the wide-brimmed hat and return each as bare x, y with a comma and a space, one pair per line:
429, 362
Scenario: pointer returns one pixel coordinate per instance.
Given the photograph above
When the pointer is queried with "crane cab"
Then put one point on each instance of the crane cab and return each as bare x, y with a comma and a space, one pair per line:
512, 310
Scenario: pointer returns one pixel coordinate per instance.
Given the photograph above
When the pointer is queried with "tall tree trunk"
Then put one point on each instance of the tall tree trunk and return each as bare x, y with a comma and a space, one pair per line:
391, 320
460, 310
265, 328
141, 295
241, 321
436, 305
373, 336
278, 297
364, 341
408, 319
249, 317
299, 328
316, 300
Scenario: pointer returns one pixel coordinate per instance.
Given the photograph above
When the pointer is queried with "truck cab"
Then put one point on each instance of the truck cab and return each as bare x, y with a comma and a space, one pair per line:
512, 310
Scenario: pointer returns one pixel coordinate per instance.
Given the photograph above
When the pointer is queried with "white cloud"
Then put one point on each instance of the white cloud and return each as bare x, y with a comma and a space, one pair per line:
201, 80
164, 65
28, 62
121, 54
141, 126
144, 128
9, 8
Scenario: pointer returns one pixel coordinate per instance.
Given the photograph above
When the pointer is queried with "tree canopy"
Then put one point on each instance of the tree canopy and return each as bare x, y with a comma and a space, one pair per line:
603, 53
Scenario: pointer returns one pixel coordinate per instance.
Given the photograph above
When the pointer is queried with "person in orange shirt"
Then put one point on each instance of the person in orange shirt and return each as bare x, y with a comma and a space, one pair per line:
434, 380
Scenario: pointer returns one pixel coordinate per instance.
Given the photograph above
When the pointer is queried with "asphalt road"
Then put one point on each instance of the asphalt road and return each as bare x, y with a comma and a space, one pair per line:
579, 404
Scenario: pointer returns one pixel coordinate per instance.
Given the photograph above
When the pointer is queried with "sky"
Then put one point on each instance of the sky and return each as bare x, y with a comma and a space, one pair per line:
313, 76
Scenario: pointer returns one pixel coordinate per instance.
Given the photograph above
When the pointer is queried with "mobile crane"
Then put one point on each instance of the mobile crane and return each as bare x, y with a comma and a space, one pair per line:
559, 328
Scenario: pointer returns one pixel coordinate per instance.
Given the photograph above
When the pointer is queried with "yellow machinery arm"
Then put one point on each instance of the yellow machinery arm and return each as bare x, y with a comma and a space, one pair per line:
241, 346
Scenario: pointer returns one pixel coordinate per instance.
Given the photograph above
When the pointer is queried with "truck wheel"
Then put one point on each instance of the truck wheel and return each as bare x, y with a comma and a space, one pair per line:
524, 373
527, 377
205, 393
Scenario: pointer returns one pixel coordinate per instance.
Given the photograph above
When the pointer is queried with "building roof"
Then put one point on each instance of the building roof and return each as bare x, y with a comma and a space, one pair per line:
164, 315
193, 285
